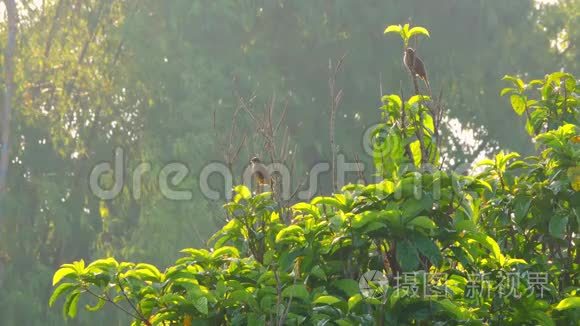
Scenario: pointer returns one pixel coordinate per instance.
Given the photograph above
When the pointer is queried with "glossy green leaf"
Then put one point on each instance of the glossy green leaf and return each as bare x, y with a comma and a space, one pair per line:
393, 29
518, 104
71, 304
62, 289
228, 251
62, 273
327, 299
568, 303
418, 31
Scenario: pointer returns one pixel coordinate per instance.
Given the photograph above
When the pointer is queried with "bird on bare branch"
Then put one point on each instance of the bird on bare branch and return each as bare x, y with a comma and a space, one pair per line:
261, 175
416, 66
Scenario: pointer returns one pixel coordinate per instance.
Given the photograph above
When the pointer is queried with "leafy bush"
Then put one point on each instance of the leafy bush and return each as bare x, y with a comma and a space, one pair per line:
497, 246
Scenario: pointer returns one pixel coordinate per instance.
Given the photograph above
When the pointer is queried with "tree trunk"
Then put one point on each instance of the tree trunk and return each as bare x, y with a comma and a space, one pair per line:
6, 115
12, 16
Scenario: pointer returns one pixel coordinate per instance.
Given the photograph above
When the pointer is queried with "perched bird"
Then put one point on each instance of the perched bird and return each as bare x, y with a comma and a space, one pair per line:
260, 174
415, 66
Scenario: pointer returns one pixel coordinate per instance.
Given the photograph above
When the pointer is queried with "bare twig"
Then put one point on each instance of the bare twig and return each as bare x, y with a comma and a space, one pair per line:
108, 299
129, 300
360, 172
404, 125
335, 99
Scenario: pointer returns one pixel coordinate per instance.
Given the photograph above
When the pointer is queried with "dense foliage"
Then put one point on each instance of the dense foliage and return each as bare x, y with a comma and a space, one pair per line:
514, 223
161, 79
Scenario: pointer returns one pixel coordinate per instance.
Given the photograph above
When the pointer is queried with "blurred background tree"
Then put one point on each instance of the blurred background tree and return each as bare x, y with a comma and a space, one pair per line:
162, 79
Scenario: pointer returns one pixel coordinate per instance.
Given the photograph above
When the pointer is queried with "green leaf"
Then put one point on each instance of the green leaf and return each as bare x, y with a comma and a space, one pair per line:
62, 273
405, 33
557, 226
485, 162
429, 249
160, 318
407, 256
348, 286
354, 301
327, 299
330, 201
521, 207
416, 151
71, 304
393, 99
62, 289
417, 99
103, 265
516, 81
418, 31
292, 233
508, 90
100, 304
360, 220
489, 243
494, 248
226, 251
413, 207
154, 271
515, 261
201, 305
297, 291
452, 308
306, 207
393, 29
570, 84
568, 303
242, 192
422, 222
518, 104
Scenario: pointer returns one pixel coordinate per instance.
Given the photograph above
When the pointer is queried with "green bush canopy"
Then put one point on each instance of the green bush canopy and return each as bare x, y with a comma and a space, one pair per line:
495, 246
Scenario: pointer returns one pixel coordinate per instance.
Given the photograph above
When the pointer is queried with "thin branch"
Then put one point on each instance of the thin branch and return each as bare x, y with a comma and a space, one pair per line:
118, 306
53, 28
129, 300
335, 99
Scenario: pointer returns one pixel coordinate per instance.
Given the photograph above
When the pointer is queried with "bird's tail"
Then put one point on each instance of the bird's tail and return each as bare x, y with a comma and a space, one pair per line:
428, 85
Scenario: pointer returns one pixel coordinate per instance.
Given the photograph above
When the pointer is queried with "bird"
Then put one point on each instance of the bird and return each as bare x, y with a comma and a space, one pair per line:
415, 66
260, 174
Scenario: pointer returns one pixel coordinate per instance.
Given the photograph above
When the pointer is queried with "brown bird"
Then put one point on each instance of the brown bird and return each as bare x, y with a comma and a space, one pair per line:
261, 174
416, 66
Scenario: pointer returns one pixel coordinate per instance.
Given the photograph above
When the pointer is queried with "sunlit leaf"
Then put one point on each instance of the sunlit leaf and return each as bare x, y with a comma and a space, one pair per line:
62, 273
568, 303
226, 252
71, 304
393, 29
418, 31
327, 299
518, 104
61, 290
